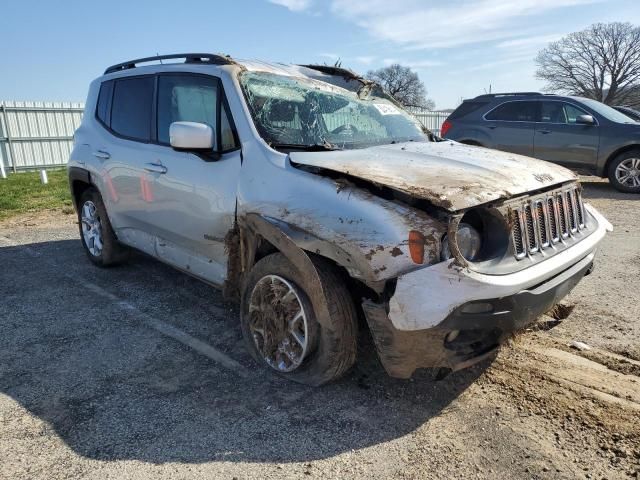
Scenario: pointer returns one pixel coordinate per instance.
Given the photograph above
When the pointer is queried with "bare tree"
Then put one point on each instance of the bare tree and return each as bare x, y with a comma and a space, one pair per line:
402, 84
601, 62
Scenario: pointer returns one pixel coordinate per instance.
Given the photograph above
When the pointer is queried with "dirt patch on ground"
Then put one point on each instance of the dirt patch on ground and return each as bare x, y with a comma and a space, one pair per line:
592, 410
54, 218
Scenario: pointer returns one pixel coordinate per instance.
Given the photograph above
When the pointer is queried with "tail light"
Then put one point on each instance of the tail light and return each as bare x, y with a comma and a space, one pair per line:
446, 126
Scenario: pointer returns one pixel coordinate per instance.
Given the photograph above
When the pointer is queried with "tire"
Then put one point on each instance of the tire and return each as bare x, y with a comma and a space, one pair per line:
97, 237
329, 351
626, 162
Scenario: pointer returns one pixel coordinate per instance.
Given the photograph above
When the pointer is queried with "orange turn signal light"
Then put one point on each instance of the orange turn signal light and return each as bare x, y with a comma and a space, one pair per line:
416, 246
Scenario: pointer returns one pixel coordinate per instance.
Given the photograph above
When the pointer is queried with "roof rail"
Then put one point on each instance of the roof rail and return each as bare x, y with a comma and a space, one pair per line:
507, 94
207, 58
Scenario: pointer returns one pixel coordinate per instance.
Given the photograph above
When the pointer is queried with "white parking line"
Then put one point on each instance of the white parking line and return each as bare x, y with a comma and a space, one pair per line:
150, 321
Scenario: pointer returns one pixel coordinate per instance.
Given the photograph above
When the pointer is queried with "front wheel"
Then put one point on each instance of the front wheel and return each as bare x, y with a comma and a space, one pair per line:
624, 172
280, 327
99, 241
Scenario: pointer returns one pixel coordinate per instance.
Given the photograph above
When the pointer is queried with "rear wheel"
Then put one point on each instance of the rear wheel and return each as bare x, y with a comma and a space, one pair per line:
280, 326
99, 241
624, 172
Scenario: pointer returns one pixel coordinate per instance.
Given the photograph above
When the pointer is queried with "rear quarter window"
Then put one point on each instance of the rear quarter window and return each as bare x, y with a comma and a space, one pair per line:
466, 108
103, 109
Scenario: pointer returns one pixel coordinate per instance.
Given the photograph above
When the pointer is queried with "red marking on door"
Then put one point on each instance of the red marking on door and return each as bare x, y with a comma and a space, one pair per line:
112, 190
145, 188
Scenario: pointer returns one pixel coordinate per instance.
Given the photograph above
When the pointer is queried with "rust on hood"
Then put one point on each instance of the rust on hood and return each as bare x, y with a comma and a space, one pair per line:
450, 175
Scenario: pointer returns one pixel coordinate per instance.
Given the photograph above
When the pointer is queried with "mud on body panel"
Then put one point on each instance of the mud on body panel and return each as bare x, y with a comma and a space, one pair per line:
363, 233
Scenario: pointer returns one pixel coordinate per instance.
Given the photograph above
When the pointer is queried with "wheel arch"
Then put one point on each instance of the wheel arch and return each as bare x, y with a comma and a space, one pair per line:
471, 142
257, 236
79, 182
627, 148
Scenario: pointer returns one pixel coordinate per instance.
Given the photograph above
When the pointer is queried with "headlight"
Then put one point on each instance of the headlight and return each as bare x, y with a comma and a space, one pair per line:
469, 243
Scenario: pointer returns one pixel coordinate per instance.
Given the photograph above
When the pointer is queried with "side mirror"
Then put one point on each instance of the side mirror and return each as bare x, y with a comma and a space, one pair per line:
191, 136
585, 120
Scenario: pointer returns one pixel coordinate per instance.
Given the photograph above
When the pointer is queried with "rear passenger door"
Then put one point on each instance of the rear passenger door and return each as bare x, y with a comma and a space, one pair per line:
510, 126
123, 152
559, 138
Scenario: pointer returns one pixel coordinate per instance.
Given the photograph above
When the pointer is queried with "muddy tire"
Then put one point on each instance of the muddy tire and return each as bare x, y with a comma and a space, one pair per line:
280, 326
624, 172
97, 237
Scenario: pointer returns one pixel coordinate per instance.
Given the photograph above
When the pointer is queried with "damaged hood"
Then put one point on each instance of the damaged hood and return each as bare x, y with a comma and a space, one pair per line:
448, 174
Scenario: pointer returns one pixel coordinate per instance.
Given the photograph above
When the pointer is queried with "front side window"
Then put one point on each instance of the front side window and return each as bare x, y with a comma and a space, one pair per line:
292, 112
192, 98
520, 111
131, 107
560, 112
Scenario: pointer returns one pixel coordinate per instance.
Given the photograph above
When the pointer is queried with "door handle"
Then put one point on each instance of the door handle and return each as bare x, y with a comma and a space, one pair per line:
102, 154
492, 127
155, 168
544, 132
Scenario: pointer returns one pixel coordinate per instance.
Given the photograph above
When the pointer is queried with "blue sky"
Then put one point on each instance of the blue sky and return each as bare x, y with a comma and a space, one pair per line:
51, 50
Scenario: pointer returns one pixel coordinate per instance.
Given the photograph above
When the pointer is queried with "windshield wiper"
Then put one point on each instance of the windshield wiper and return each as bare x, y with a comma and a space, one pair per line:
313, 147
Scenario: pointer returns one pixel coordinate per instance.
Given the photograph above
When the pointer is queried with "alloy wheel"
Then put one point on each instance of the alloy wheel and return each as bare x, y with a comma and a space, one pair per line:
278, 323
628, 172
91, 228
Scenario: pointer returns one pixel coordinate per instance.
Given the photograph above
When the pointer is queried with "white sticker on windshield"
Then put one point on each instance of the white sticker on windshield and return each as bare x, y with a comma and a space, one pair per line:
386, 109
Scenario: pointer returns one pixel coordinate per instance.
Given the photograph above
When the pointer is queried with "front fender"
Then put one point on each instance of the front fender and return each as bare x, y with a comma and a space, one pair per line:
276, 231
360, 231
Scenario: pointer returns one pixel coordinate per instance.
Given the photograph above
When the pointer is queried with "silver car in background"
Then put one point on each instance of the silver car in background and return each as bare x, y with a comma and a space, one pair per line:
312, 198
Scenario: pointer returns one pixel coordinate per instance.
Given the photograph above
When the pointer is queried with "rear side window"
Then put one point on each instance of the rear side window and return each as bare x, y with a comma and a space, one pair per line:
103, 109
466, 108
521, 111
131, 108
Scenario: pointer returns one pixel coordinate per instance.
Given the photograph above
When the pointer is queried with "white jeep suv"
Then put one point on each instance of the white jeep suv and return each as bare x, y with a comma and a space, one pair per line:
312, 197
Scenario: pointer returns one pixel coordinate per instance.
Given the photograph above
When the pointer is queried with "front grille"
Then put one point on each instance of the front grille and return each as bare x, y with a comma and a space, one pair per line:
551, 215
517, 239
531, 229
563, 215
542, 222
573, 211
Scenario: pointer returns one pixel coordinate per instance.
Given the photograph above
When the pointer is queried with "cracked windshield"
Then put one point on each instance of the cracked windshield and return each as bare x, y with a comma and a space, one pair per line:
308, 114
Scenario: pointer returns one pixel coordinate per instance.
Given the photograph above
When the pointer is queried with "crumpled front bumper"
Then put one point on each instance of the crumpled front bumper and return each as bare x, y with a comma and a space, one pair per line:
415, 328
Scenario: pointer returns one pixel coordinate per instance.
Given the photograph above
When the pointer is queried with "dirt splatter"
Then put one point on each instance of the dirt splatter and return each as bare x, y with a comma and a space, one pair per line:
231, 288
373, 251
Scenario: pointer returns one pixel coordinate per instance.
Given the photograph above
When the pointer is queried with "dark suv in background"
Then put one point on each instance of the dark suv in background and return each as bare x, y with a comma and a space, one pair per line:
582, 134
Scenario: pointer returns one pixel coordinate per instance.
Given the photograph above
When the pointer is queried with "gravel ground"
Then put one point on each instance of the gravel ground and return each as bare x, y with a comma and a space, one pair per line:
140, 372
